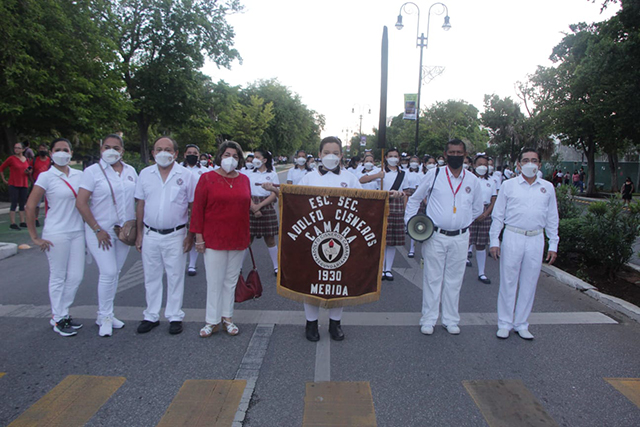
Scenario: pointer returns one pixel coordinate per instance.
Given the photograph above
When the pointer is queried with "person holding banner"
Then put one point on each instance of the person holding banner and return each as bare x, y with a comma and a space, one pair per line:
370, 174
300, 169
455, 200
264, 221
482, 224
329, 174
414, 176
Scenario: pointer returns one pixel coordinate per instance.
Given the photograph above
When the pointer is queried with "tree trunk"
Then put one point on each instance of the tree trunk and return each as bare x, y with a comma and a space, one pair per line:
9, 139
590, 151
613, 166
143, 129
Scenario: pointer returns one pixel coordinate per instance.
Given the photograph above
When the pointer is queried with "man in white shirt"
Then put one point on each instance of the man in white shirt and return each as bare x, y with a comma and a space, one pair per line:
455, 200
526, 207
164, 193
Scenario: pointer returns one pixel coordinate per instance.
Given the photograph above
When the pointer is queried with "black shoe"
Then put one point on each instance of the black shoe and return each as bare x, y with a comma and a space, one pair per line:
192, 271
23, 225
335, 330
411, 254
73, 323
146, 326
484, 279
469, 255
275, 272
312, 331
388, 276
469, 264
14, 226
175, 327
37, 223
64, 328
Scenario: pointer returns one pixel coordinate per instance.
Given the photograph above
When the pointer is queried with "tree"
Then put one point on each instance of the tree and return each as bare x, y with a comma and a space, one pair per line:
505, 122
251, 120
452, 119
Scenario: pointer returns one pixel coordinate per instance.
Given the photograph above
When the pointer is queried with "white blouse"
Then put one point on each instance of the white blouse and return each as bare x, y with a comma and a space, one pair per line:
62, 215
257, 177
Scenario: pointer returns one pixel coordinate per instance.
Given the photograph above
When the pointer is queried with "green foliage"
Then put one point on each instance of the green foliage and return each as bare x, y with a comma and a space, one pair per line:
571, 235
250, 121
565, 195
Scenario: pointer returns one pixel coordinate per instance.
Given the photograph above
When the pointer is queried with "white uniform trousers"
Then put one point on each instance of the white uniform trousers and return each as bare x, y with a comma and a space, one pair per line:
445, 260
66, 270
223, 269
312, 312
520, 264
110, 263
160, 254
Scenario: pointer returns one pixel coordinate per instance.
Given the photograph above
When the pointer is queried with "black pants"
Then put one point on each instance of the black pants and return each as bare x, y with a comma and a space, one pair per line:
18, 197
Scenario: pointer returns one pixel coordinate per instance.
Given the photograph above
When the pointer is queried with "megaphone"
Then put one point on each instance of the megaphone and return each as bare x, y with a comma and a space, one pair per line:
420, 228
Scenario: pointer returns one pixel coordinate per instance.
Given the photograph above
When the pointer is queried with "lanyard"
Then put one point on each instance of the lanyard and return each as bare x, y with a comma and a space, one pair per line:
457, 189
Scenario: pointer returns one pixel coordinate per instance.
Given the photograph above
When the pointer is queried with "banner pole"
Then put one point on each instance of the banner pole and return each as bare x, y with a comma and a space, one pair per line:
384, 75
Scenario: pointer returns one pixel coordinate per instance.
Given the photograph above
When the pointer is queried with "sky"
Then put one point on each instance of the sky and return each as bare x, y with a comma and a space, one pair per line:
329, 51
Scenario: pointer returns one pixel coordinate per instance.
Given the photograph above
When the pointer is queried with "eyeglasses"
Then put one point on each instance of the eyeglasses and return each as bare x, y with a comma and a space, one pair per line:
525, 161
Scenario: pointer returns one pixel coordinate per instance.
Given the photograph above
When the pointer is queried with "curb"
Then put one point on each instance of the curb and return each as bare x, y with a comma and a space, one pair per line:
614, 303
7, 250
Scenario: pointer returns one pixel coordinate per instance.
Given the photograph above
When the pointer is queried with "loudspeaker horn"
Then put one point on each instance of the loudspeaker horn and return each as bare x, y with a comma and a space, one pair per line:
420, 228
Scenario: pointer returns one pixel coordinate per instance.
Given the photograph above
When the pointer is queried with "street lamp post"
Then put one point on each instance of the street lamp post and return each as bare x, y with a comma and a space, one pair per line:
421, 42
361, 108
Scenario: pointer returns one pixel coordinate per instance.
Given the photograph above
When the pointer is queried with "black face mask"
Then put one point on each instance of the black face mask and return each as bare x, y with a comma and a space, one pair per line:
43, 153
455, 162
191, 159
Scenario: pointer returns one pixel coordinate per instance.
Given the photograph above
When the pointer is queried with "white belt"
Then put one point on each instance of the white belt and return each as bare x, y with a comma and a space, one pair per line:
525, 232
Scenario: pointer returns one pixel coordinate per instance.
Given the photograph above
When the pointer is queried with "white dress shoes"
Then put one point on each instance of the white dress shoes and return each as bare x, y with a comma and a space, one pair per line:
426, 329
503, 333
453, 329
525, 334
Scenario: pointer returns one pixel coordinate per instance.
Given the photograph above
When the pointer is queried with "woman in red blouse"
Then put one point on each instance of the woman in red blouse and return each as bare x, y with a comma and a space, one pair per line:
19, 171
220, 221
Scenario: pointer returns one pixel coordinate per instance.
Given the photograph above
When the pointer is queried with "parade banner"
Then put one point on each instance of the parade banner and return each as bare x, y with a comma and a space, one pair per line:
331, 244
410, 101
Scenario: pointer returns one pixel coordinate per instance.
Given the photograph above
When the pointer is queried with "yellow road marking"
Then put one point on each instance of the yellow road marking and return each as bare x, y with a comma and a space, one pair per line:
507, 403
630, 387
338, 404
204, 403
71, 403
2, 374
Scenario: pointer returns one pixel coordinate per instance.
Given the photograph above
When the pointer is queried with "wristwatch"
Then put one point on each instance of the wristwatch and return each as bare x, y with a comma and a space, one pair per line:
97, 230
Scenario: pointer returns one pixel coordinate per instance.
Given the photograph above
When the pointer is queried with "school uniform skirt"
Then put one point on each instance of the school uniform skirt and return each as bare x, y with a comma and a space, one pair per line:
267, 224
480, 231
395, 222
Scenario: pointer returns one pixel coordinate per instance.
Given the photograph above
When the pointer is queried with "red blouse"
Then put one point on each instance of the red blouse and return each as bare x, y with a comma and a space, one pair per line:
17, 175
40, 166
221, 213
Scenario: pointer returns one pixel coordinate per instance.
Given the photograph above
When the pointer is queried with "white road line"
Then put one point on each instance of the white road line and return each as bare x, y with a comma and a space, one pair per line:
133, 277
323, 359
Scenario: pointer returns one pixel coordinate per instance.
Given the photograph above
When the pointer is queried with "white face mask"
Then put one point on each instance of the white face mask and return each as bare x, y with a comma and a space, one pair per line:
490, 169
204, 163
430, 166
368, 166
465, 165
228, 164
249, 164
111, 156
300, 161
414, 165
164, 159
440, 162
312, 165
330, 161
393, 161
257, 163
529, 170
61, 158
482, 170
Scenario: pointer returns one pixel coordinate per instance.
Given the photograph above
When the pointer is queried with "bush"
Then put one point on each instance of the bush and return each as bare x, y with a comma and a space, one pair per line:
571, 232
565, 194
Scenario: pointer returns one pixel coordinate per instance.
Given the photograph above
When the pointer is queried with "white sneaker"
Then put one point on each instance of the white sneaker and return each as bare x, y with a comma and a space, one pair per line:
116, 323
426, 329
106, 329
453, 329
503, 333
525, 334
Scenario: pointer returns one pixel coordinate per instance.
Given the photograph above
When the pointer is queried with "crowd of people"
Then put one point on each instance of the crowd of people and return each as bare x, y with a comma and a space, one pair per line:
217, 206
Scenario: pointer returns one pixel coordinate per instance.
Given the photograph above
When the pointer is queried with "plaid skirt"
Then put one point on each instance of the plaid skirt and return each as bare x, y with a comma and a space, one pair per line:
480, 231
267, 224
395, 223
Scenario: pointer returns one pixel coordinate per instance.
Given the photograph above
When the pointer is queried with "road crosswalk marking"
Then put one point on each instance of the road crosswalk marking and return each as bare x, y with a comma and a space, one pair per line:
338, 404
630, 387
71, 403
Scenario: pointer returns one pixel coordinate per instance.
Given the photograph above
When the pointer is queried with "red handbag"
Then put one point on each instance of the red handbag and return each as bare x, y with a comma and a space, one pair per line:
250, 288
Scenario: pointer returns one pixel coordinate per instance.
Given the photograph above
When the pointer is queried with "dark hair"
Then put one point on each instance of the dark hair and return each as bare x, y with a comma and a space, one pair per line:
43, 144
300, 151
331, 139
55, 141
455, 141
528, 150
481, 156
21, 144
175, 144
267, 156
114, 136
184, 163
230, 144
353, 161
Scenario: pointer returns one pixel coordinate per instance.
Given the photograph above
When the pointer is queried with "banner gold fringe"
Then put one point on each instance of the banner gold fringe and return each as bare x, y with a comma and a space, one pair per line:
331, 303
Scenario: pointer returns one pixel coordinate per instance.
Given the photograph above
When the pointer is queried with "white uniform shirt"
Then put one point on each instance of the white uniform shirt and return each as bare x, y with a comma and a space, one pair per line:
371, 185
62, 215
488, 188
527, 207
295, 174
330, 179
257, 177
412, 179
497, 178
390, 178
540, 175
198, 171
124, 187
468, 200
166, 204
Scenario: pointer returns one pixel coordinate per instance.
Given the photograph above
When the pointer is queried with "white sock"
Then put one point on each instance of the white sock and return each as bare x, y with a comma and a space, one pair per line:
470, 249
481, 257
311, 312
273, 253
193, 257
413, 246
389, 255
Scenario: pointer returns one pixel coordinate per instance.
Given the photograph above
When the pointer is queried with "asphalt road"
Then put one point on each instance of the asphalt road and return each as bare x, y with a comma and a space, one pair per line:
473, 379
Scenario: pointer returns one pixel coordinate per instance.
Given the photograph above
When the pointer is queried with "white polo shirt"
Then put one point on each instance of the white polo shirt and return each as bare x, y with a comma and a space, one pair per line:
257, 177
198, 171
390, 178
124, 187
496, 176
62, 215
371, 185
527, 207
412, 179
166, 204
344, 179
440, 208
488, 188
295, 174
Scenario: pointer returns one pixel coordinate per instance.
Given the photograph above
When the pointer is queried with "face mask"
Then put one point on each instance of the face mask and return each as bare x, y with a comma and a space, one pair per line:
368, 166
192, 159
300, 161
466, 166
455, 161
203, 163
482, 170
392, 161
529, 170
111, 156
312, 165
43, 153
257, 163
490, 169
330, 161
250, 165
228, 164
61, 158
414, 165
431, 166
164, 159
440, 162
